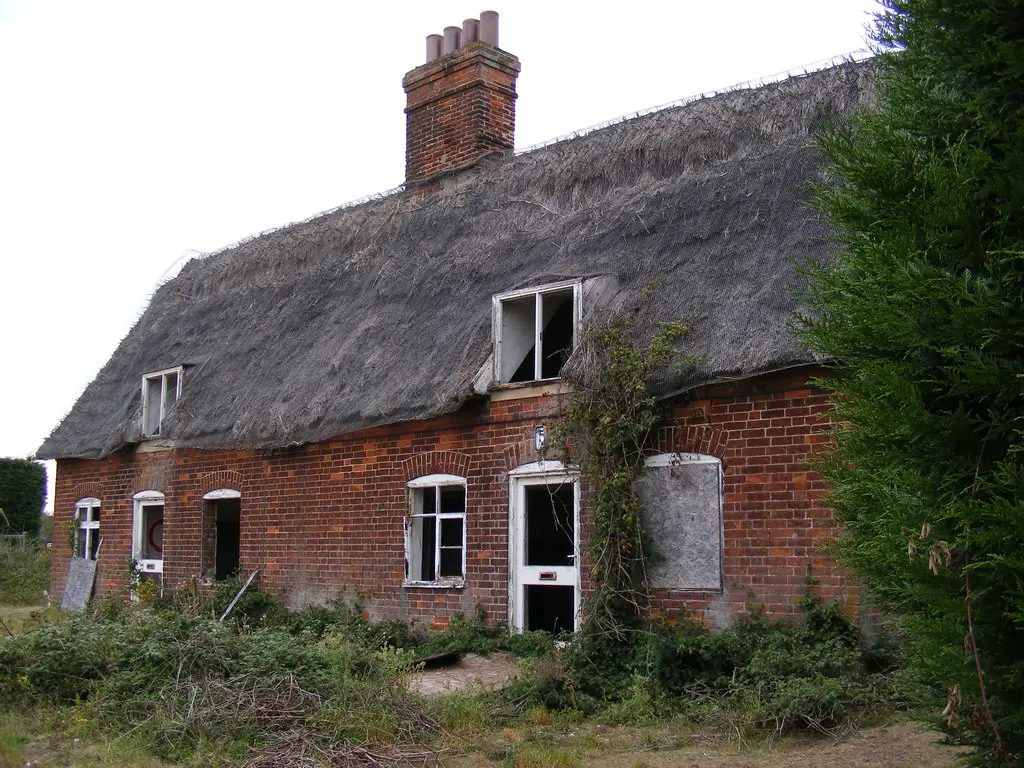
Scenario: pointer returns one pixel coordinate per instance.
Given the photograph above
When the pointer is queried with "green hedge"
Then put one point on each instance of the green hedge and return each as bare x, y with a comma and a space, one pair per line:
22, 495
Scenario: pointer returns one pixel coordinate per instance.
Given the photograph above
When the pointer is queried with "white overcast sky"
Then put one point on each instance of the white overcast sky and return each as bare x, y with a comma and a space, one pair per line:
134, 134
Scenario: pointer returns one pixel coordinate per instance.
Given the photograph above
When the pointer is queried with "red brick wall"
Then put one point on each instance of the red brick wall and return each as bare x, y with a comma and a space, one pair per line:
459, 107
326, 521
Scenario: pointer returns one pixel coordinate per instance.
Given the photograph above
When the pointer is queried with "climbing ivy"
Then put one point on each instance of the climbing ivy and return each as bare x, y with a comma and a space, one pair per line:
611, 417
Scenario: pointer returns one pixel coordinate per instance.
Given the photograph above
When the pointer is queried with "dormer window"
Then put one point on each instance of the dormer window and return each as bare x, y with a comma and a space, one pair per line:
160, 391
535, 331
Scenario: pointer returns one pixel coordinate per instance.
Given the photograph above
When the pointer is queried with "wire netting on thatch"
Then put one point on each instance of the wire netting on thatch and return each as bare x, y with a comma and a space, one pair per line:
381, 312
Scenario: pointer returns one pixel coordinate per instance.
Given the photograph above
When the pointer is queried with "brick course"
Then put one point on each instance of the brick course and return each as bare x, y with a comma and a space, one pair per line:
326, 521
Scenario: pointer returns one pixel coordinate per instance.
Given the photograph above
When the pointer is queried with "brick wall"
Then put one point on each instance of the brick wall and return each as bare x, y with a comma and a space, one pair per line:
326, 521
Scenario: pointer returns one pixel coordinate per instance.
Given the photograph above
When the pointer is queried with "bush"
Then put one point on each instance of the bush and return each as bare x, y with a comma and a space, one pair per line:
24, 573
22, 495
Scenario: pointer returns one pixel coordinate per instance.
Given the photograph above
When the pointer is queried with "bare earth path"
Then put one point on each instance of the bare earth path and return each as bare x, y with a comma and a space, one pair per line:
899, 745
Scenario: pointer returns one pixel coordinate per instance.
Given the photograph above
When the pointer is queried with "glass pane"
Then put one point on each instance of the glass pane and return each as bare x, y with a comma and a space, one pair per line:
94, 514
451, 532
428, 500
170, 390
81, 543
152, 394
94, 544
453, 499
518, 318
428, 542
451, 562
550, 512
557, 333
152, 532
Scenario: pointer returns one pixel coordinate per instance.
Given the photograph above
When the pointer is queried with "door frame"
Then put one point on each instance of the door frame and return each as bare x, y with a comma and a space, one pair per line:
537, 473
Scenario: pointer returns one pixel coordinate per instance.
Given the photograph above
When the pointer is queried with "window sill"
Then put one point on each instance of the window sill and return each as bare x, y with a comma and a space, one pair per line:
460, 584
528, 389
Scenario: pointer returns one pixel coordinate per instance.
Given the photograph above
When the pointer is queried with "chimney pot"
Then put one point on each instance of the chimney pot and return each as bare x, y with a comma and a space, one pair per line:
452, 39
489, 28
470, 31
434, 45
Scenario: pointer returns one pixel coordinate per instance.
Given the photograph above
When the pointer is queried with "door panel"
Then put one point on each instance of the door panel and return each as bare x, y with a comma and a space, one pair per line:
544, 549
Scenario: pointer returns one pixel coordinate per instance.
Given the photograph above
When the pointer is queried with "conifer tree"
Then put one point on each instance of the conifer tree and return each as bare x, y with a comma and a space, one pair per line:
923, 314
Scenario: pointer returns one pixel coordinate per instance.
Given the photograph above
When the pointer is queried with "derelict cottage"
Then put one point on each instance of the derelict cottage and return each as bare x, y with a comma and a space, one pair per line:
353, 404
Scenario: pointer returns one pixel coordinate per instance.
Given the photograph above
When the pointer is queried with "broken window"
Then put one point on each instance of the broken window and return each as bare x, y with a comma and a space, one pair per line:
682, 521
87, 534
160, 391
435, 539
535, 332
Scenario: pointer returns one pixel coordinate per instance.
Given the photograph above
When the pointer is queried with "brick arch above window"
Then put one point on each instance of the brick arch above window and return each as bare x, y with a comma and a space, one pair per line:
693, 438
89, 489
224, 478
152, 478
436, 463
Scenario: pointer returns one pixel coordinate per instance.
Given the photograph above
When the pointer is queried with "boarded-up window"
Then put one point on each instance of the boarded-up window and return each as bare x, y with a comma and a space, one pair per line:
682, 521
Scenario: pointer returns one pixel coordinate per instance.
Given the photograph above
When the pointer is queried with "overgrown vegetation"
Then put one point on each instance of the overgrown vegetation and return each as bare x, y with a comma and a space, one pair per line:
24, 572
924, 314
22, 495
324, 686
611, 416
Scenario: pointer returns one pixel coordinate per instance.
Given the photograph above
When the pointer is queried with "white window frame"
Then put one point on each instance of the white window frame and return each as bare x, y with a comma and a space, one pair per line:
163, 375
498, 301
142, 500
87, 526
436, 482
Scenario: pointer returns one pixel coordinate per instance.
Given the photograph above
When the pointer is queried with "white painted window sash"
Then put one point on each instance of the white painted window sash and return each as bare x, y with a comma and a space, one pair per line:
498, 302
436, 483
88, 524
164, 377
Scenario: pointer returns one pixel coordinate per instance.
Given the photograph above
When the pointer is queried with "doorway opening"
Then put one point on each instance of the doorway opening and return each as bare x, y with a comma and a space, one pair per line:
222, 534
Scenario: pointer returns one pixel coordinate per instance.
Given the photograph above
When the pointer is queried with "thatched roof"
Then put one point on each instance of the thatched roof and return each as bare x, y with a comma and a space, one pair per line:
381, 312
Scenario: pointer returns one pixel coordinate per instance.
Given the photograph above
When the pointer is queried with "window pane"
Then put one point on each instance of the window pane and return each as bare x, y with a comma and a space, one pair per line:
152, 394
94, 544
550, 513
152, 532
94, 514
428, 540
170, 390
428, 504
81, 545
518, 318
451, 532
557, 333
453, 499
451, 562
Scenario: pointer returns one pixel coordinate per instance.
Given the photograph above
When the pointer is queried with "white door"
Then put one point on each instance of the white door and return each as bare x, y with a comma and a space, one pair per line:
544, 593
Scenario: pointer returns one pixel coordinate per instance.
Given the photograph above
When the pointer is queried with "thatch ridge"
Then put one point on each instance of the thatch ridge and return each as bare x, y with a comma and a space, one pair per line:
380, 312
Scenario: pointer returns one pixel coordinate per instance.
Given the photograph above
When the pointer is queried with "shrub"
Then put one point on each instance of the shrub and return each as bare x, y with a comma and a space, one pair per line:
24, 573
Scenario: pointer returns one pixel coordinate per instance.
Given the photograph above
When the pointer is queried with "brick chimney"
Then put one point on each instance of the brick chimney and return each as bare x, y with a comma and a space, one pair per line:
460, 105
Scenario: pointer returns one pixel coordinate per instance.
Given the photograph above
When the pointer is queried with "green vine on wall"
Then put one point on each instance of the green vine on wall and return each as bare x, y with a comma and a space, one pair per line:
610, 420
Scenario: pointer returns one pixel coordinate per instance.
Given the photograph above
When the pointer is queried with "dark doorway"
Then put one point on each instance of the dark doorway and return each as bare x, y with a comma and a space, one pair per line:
550, 542
550, 608
229, 537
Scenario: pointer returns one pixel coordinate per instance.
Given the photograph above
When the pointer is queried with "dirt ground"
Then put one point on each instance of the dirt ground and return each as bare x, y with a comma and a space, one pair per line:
471, 673
897, 745
901, 745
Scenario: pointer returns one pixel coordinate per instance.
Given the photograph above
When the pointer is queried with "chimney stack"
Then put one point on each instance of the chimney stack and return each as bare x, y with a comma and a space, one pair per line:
460, 105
